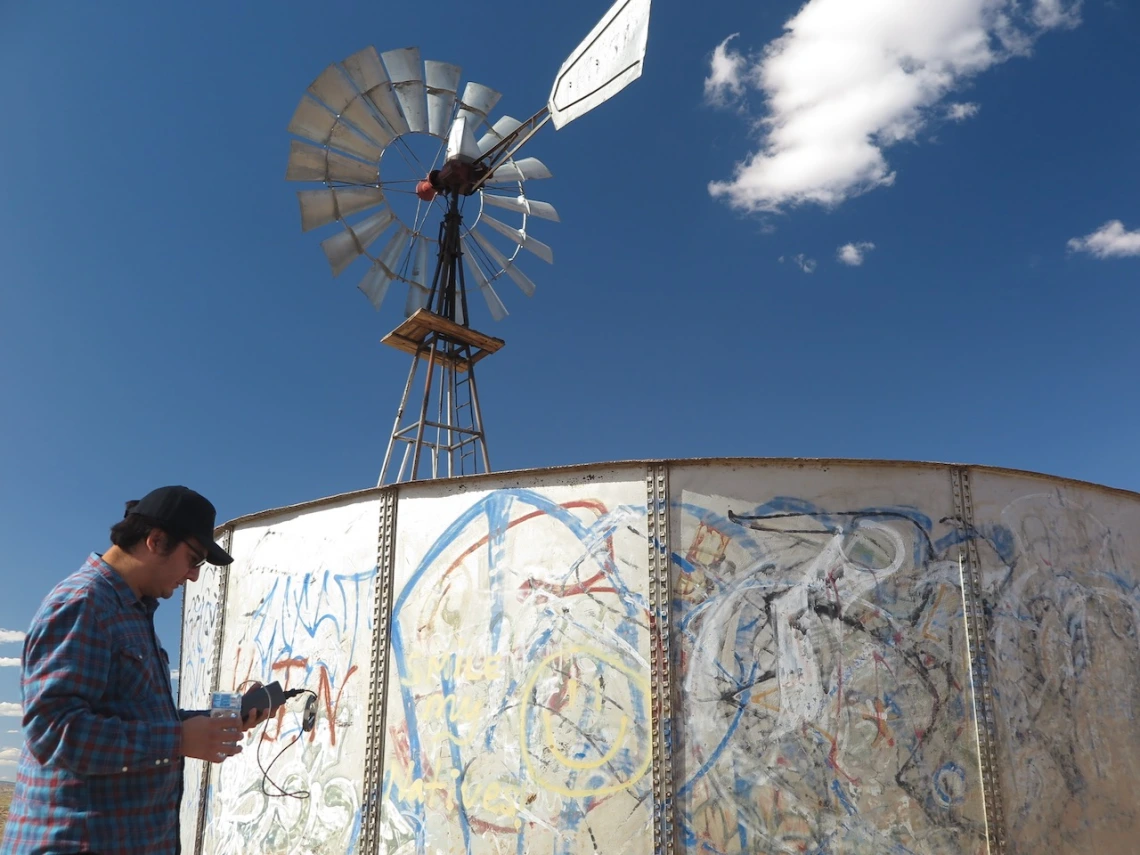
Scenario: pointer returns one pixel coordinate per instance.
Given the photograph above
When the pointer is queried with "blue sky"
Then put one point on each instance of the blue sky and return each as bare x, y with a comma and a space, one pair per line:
164, 320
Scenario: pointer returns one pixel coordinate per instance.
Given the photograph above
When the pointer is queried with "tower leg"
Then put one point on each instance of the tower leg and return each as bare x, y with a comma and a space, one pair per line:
454, 429
396, 425
423, 412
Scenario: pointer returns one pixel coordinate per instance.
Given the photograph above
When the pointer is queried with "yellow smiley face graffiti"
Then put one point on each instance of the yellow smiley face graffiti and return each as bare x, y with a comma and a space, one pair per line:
583, 725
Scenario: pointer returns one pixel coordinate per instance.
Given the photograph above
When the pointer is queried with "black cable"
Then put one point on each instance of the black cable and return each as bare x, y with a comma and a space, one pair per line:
281, 791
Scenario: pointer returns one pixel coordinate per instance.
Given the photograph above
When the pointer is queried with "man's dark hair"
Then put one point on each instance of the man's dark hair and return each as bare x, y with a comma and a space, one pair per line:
133, 529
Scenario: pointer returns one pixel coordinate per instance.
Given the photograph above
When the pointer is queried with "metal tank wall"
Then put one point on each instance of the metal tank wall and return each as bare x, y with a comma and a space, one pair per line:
700, 657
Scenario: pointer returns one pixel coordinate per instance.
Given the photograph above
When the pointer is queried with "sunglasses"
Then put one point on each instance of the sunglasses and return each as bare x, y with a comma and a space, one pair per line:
199, 558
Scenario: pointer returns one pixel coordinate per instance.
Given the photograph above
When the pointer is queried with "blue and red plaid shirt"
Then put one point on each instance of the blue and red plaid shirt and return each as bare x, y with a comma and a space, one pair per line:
100, 770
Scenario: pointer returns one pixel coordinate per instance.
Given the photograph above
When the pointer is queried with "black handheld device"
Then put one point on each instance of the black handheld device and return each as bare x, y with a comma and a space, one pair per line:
264, 698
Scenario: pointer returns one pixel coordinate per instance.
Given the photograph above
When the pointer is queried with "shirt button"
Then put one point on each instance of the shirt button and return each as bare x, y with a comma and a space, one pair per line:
124, 768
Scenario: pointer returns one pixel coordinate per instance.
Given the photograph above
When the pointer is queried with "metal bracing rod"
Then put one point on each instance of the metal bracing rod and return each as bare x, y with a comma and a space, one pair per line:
462, 279
423, 410
399, 415
404, 463
452, 399
439, 418
505, 149
402, 435
477, 416
440, 447
439, 264
447, 283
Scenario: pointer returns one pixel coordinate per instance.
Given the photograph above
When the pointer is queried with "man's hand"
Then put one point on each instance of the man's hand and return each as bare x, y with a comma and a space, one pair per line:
210, 739
255, 716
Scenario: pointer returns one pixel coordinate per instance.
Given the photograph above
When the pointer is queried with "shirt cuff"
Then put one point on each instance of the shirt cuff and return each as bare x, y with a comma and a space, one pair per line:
164, 740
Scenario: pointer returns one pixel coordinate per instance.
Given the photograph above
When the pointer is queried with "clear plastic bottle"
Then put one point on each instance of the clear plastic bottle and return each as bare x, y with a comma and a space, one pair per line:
225, 705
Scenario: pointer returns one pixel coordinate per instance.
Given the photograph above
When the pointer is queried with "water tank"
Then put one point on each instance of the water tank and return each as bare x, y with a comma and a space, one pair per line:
709, 656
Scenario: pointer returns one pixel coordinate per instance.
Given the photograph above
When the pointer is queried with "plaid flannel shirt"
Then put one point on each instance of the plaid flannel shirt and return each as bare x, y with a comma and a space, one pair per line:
100, 770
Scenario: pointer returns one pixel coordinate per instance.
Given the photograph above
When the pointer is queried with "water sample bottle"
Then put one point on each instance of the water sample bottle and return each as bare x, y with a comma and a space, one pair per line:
225, 705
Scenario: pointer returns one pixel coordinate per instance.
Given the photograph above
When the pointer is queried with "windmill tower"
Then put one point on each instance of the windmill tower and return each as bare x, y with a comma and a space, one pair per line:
393, 137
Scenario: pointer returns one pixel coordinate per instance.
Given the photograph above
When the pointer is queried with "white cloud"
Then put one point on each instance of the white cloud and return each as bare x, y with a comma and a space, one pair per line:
726, 74
849, 79
961, 112
852, 254
807, 265
7, 708
1048, 14
174, 674
13, 731
1109, 241
9, 756
11, 635
9, 661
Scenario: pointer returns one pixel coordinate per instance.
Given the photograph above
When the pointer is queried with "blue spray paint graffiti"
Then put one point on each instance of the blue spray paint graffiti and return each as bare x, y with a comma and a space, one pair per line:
825, 684
539, 725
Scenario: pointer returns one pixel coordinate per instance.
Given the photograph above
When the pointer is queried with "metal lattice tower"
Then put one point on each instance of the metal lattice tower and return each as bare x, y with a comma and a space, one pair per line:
444, 435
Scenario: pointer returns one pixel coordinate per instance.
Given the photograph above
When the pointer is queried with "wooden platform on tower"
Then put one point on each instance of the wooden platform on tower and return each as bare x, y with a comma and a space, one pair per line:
453, 442
415, 335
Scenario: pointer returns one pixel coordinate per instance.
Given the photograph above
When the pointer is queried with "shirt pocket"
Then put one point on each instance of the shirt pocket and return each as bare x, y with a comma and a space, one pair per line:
132, 679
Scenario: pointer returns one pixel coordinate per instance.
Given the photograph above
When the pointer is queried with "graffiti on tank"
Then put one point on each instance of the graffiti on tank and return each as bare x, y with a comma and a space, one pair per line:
519, 705
825, 701
196, 675
200, 625
310, 630
1065, 612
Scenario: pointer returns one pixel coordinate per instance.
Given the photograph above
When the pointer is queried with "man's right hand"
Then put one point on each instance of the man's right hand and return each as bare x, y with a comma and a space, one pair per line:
211, 739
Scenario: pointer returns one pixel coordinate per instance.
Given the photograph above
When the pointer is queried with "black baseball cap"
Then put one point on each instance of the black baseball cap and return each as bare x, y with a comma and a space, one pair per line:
182, 512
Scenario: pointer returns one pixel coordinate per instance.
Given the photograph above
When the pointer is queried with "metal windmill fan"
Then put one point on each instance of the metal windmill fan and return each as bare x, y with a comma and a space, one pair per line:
358, 126
355, 122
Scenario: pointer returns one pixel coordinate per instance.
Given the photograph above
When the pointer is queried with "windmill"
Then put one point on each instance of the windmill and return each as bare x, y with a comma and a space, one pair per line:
366, 129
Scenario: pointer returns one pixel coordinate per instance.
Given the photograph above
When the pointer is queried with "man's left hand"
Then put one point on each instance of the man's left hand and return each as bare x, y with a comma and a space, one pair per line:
256, 716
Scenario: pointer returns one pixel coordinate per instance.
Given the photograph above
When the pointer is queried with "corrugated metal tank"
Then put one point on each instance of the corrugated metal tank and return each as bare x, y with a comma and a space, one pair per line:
715, 656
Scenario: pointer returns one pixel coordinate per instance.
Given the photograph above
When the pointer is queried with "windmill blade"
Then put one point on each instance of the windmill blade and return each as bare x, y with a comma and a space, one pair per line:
442, 83
405, 70
313, 121
365, 69
368, 74
509, 267
461, 142
607, 60
394, 250
477, 101
345, 247
494, 304
321, 207
333, 89
503, 126
520, 170
312, 163
365, 123
523, 205
520, 237
375, 284
418, 293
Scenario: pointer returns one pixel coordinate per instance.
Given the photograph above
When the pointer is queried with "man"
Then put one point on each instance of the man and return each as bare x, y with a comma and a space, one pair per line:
101, 767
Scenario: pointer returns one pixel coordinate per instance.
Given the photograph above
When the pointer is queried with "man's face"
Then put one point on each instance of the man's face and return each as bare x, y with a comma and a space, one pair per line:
170, 571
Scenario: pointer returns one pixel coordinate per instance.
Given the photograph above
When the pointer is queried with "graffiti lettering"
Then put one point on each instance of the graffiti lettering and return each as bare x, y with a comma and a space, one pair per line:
423, 670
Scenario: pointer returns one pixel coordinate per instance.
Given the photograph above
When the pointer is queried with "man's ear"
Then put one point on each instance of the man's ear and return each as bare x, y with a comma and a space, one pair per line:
156, 541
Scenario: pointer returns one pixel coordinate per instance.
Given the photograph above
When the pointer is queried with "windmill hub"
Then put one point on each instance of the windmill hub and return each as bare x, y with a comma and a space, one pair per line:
457, 176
